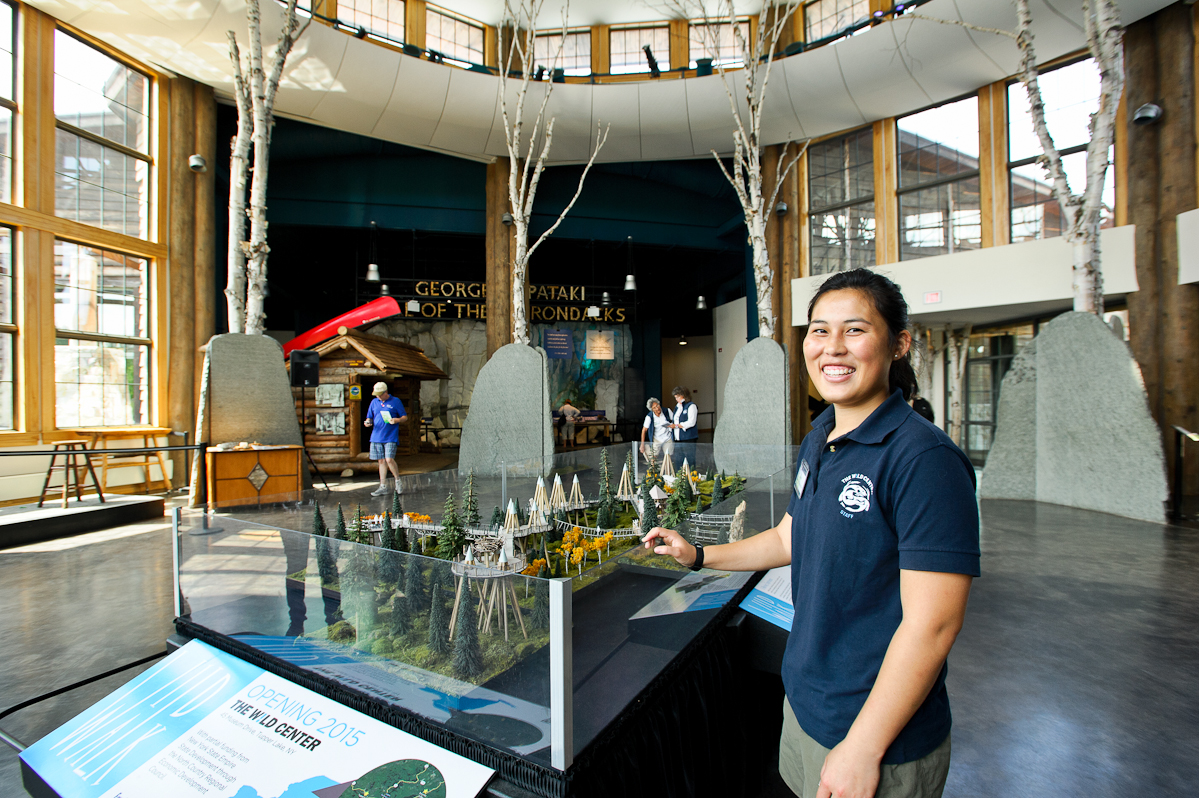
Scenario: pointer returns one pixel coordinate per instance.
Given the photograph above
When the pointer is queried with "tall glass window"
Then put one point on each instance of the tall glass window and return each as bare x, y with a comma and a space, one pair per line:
383, 18
453, 36
718, 41
939, 208
8, 95
987, 361
626, 54
102, 346
8, 332
575, 58
825, 18
841, 200
1071, 95
102, 152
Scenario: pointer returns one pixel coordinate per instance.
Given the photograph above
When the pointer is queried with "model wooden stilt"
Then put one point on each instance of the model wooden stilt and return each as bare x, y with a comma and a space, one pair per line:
516, 609
457, 601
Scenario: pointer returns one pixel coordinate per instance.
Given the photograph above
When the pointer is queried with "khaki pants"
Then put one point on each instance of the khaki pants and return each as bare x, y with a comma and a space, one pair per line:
801, 758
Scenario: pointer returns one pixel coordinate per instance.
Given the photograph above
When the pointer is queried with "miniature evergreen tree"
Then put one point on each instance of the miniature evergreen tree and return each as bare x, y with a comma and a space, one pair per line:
439, 624
452, 538
358, 591
683, 485
470, 503
391, 569
468, 658
340, 529
360, 533
675, 512
397, 505
738, 483
628, 462
723, 535
401, 620
318, 521
717, 491
540, 617
414, 588
605, 516
326, 550
649, 515
497, 517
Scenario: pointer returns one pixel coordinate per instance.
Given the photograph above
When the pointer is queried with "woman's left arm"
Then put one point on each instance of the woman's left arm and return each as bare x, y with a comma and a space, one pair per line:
934, 606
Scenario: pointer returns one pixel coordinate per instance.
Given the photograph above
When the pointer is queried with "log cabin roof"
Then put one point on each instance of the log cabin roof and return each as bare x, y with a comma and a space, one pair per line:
385, 354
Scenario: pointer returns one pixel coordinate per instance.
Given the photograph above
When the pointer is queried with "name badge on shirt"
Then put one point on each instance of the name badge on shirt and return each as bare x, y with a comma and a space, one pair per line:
801, 478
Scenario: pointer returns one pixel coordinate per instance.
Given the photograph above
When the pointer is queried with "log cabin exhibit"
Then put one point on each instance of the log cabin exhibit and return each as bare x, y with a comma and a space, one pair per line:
513, 398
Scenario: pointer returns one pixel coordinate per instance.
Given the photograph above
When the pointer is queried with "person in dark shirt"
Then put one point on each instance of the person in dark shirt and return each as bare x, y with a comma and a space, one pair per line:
882, 538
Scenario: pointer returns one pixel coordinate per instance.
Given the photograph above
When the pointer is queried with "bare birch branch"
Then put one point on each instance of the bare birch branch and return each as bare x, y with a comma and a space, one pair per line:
235, 283
600, 140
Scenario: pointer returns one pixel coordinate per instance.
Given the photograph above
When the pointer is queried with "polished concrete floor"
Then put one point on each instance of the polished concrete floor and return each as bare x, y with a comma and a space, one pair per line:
1077, 673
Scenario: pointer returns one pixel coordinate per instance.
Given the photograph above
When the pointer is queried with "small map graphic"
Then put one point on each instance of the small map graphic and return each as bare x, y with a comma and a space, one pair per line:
404, 778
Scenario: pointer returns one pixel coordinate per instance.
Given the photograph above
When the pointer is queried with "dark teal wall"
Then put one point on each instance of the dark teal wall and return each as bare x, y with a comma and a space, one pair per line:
330, 178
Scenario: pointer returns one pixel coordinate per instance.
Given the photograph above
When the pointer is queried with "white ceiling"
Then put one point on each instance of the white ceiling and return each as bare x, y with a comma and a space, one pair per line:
337, 81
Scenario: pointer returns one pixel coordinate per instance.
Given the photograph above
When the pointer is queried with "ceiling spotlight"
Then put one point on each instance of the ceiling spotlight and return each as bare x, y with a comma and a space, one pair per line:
606, 300
593, 312
654, 71
682, 340
630, 282
780, 209
507, 219
360, 33
413, 306
372, 273
540, 74
701, 303
879, 14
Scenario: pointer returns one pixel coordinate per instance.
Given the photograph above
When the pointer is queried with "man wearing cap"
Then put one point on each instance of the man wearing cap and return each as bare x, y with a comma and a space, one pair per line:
384, 416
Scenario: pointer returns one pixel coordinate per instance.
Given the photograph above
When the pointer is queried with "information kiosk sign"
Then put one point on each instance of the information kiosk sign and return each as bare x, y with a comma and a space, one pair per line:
204, 723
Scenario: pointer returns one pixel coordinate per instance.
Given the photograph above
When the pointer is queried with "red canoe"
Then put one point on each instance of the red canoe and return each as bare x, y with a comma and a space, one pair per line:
374, 310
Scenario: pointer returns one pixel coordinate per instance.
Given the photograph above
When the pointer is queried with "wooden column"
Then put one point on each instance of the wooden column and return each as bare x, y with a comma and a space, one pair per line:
601, 49
1163, 315
680, 46
499, 258
992, 165
35, 249
886, 203
204, 245
181, 256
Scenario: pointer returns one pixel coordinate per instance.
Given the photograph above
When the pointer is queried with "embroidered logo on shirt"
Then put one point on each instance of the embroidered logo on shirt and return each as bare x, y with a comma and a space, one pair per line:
855, 496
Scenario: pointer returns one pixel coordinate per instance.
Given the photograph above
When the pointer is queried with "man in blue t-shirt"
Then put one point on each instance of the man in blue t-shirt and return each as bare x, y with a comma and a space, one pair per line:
384, 416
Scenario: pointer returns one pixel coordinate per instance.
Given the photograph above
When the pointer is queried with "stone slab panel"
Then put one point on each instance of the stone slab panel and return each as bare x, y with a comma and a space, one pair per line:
509, 416
754, 429
245, 395
1098, 447
1011, 470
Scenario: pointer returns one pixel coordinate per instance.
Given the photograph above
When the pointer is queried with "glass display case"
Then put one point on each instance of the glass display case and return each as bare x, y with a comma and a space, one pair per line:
514, 618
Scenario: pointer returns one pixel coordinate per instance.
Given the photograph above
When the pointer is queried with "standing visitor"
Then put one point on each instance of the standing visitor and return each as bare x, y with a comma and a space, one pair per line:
384, 417
570, 413
685, 423
657, 427
882, 537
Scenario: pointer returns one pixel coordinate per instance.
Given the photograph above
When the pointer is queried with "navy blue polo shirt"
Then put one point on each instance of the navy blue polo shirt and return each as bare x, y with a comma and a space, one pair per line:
893, 494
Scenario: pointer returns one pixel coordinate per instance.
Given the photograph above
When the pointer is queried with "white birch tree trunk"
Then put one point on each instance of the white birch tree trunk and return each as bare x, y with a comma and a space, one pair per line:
757, 52
235, 284
525, 172
957, 342
256, 89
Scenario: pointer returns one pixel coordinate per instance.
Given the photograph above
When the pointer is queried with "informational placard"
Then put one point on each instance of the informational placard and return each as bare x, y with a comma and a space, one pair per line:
558, 344
601, 345
331, 395
770, 599
701, 590
204, 723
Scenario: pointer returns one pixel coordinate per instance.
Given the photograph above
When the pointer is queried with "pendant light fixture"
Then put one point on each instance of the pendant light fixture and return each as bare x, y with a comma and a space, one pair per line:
630, 279
682, 340
606, 300
372, 268
701, 303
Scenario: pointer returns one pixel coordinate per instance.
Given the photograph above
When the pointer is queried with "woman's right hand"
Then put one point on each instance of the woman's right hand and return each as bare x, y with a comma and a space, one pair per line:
671, 544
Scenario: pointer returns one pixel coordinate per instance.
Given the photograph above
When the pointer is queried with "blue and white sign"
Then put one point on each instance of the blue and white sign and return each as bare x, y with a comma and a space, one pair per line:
204, 723
771, 598
558, 344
